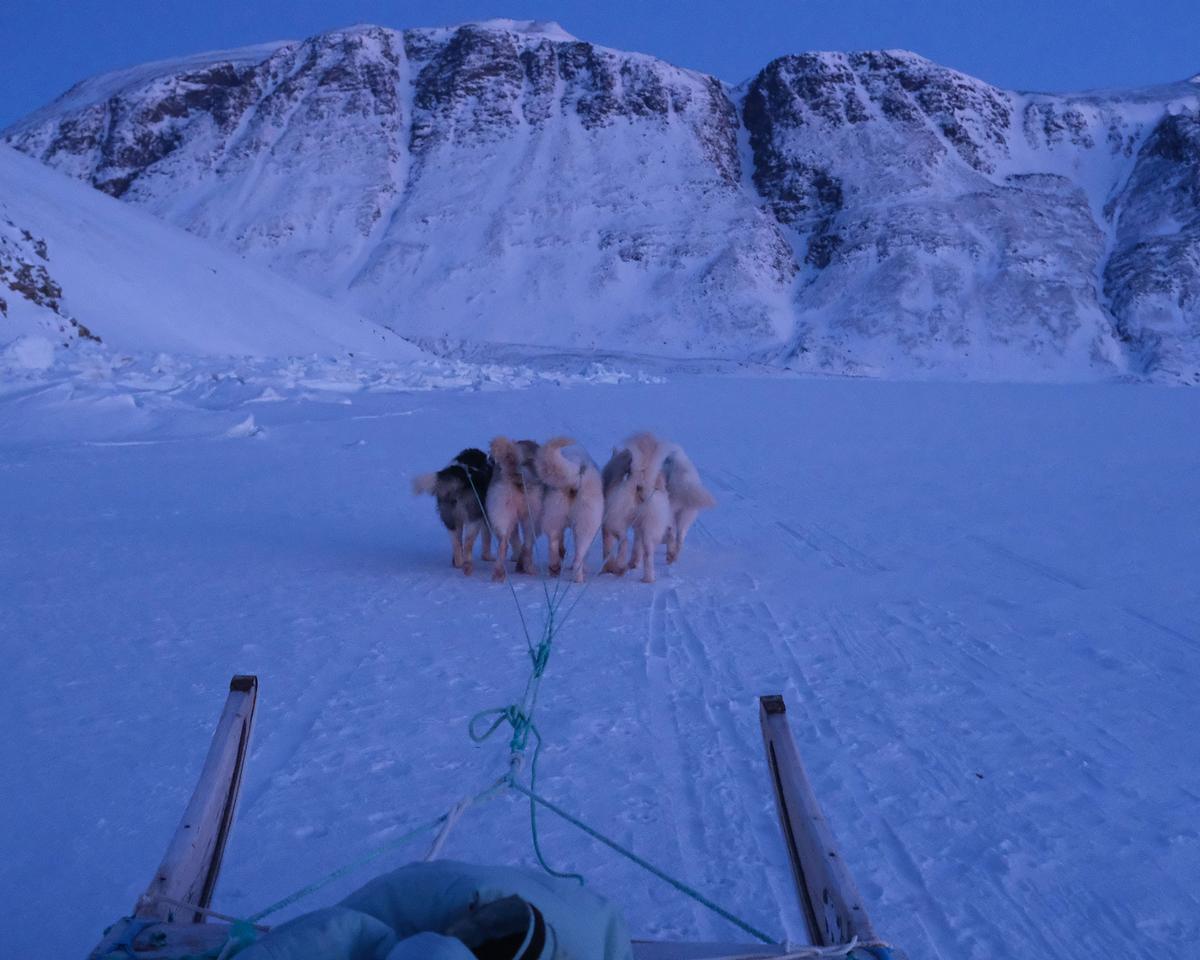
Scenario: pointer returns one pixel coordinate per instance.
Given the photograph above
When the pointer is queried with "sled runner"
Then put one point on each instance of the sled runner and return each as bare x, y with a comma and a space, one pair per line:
173, 920
169, 918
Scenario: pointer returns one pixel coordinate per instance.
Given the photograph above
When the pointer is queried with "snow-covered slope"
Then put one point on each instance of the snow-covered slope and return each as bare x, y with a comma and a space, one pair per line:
77, 264
506, 182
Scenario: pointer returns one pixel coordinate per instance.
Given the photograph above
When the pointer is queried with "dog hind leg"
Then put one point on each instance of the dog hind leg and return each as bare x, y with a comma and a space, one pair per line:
683, 522
498, 572
609, 543
525, 562
648, 560
469, 535
584, 532
623, 557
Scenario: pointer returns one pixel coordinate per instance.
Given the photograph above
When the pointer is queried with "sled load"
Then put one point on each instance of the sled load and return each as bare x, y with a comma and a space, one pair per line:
173, 919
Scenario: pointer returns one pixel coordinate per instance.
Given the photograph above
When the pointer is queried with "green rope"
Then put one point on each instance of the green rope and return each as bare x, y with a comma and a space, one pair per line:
374, 854
340, 872
533, 827
520, 718
535, 798
519, 722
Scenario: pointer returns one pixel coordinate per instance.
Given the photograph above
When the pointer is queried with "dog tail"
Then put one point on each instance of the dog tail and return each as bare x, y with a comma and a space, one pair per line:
424, 483
683, 482
554, 469
647, 457
507, 456
616, 469
644, 449
696, 495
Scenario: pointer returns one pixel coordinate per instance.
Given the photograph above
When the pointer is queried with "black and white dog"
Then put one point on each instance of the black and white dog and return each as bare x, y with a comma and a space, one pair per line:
461, 489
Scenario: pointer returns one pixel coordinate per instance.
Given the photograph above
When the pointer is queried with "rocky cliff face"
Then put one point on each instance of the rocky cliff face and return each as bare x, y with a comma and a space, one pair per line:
1152, 278
27, 281
506, 182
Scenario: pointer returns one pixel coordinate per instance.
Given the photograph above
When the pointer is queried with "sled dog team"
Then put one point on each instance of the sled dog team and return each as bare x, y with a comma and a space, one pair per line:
525, 490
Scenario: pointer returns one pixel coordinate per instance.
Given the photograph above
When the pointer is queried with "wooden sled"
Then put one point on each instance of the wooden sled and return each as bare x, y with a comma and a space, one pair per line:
173, 919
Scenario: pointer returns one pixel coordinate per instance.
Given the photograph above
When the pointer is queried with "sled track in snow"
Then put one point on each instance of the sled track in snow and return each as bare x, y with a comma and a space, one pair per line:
1036, 566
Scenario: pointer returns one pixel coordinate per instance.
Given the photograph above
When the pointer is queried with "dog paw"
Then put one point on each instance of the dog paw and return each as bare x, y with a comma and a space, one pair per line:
555, 569
497, 576
646, 579
467, 568
671, 557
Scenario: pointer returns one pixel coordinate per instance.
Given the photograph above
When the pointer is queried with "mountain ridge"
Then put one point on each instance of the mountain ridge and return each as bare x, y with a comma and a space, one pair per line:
867, 212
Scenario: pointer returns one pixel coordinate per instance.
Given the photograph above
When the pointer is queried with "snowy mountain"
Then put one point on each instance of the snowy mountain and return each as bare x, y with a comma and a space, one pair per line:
75, 264
505, 182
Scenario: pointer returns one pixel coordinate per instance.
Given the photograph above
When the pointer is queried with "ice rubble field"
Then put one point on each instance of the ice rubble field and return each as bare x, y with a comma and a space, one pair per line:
981, 602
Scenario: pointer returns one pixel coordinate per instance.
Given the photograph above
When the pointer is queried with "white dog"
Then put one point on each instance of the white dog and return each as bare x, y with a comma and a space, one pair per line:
652, 515
687, 496
525, 543
633, 462
640, 468
651, 523
508, 509
574, 498
619, 507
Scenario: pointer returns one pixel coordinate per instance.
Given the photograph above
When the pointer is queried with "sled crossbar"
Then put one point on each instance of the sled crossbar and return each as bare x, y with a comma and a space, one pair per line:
672, 950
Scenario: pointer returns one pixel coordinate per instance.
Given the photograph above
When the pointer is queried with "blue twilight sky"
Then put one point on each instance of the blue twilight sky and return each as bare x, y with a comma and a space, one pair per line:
47, 45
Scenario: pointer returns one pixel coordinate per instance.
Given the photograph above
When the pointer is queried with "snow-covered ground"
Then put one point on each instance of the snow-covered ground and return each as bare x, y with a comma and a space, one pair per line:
980, 601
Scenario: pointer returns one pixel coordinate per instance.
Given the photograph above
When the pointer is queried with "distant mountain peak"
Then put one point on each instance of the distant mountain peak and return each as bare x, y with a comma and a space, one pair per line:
865, 212
547, 29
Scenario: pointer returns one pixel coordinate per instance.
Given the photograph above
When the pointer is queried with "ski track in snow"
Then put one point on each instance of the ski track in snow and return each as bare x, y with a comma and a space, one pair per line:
977, 601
